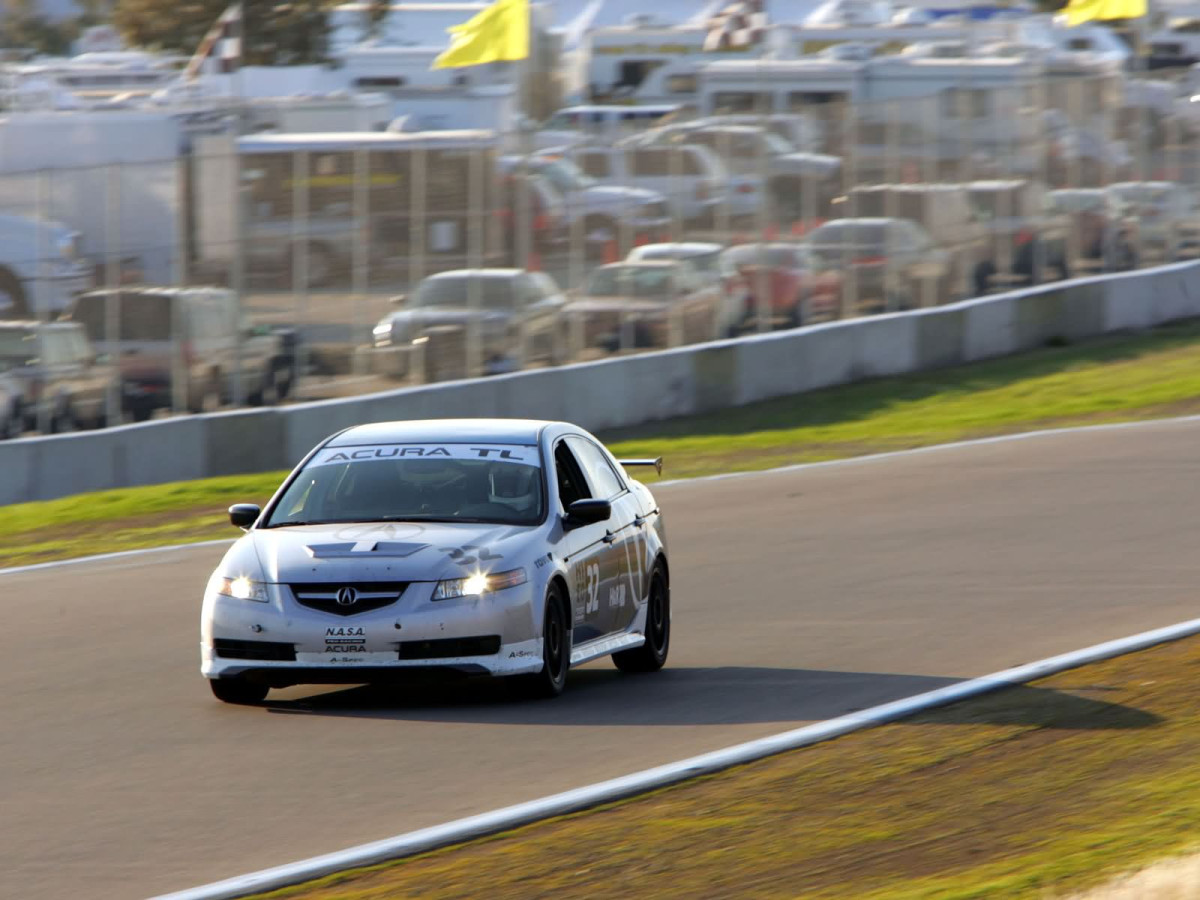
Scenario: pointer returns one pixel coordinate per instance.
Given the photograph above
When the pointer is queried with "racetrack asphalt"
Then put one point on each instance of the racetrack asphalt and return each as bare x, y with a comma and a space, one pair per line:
798, 595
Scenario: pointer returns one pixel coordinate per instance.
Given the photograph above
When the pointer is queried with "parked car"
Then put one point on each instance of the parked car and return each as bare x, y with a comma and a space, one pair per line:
63, 383
517, 314
192, 333
804, 132
1099, 238
799, 289
1022, 242
887, 264
798, 184
690, 176
604, 213
649, 303
711, 265
599, 122
12, 419
41, 267
1163, 215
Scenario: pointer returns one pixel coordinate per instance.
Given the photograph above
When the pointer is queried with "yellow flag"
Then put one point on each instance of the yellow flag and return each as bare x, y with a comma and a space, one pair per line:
500, 32
1080, 11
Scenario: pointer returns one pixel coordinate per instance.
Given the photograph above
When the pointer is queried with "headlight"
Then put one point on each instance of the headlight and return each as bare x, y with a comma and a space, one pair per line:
240, 588
478, 583
382, 333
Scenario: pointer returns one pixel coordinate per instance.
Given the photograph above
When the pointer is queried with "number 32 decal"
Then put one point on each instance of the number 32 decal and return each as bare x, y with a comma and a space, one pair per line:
587, 586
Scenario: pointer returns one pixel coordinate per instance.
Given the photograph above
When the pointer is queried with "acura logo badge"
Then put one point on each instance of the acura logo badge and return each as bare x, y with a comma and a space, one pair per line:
347, 596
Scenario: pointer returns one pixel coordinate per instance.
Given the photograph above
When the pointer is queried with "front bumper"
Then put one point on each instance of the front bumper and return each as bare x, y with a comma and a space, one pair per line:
282, 642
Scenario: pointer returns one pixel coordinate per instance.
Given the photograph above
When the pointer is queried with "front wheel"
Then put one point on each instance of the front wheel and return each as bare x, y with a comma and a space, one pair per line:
556, 651
652, 655
238, 690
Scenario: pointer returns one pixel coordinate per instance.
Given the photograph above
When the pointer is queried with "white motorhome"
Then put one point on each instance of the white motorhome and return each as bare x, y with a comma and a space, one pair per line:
112, 176
933, 104
41, 268
388, 196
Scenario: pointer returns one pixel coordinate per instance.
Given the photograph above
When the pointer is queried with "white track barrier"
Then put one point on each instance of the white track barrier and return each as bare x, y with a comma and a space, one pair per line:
617, 392
640, 782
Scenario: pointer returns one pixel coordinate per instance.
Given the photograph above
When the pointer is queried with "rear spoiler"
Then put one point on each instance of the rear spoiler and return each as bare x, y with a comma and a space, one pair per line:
657, 463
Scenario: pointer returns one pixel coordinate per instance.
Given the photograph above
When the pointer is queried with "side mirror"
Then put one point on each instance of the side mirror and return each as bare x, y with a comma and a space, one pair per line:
243, 515
587, 512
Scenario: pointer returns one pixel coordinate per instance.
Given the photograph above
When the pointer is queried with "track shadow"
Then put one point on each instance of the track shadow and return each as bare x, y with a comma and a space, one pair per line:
698, 696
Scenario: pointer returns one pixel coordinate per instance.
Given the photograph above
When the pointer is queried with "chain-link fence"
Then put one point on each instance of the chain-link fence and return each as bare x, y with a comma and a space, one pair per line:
271, 267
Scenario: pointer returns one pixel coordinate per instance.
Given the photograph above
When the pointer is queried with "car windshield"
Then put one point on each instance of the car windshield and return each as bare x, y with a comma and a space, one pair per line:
860, 238
449, 482
705, 261
17, 346
1144, 194
776, 144
631, 281
565, 175
757, 255
141, 317
494, 293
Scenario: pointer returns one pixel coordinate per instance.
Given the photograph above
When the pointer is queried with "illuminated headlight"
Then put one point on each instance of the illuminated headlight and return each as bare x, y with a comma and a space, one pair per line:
382, 334
474, 585
240, 588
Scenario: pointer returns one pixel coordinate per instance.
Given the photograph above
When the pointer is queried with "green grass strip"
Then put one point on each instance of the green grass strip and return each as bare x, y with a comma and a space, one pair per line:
1112, 379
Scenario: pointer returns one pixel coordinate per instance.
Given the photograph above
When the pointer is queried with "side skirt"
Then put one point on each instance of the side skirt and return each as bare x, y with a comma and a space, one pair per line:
606, 646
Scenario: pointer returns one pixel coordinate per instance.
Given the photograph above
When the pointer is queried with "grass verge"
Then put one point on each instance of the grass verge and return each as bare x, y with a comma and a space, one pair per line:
1111, 379
1034, 791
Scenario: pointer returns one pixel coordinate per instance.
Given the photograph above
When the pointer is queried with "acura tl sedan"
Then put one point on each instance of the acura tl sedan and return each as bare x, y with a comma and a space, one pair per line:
499, 547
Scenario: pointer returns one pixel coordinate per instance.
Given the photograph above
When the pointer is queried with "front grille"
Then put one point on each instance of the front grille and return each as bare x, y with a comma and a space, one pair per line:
368, 595
450, 647
228, 648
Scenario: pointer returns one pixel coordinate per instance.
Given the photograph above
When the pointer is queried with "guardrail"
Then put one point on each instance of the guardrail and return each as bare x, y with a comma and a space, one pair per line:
614, 392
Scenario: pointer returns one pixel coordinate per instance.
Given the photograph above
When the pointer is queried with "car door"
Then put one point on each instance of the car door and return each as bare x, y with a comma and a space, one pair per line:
592, 555
620, 596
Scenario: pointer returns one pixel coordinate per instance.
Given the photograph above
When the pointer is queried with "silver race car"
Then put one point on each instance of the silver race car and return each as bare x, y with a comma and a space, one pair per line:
479, 546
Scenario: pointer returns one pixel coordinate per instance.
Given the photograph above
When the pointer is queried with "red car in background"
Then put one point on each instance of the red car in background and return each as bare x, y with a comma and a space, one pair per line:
799, 290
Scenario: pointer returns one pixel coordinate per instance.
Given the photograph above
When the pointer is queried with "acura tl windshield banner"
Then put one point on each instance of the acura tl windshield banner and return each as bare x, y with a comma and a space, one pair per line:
513, 453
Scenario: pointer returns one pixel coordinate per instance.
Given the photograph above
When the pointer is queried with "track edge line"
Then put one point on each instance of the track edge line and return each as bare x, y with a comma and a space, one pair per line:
578, 799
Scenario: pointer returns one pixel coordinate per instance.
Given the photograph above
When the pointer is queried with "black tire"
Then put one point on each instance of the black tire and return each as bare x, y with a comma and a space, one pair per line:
64, 419
11, 287
238, 690
652, 655
556, 651
273, 388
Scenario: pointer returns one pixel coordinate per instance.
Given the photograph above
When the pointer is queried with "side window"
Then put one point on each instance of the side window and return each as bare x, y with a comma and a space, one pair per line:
53, 351
649, 163
605, 483
593, 163
571, 483
691, 164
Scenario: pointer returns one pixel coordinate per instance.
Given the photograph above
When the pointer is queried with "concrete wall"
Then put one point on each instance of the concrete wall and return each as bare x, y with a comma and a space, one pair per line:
614, 392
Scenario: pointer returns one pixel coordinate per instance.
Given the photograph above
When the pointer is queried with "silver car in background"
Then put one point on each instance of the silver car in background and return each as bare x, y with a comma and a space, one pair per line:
517, 314
498, 547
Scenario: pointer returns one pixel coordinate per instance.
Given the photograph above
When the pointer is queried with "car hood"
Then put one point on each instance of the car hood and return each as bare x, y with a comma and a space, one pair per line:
449, 315
589, 304
618, 196
813, 165
381, 551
